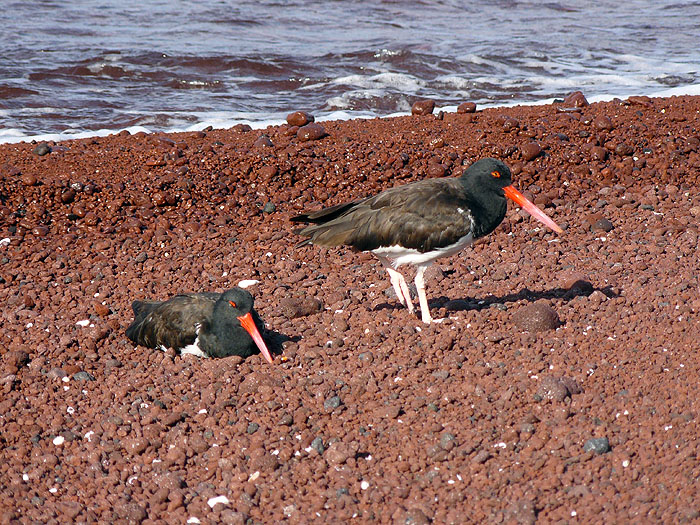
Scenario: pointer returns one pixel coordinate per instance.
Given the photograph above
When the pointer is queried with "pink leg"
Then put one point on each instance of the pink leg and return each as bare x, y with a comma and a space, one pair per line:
399, 284
422, 299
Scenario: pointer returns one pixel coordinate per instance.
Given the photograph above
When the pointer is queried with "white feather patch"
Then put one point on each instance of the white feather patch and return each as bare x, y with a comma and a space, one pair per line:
398, 255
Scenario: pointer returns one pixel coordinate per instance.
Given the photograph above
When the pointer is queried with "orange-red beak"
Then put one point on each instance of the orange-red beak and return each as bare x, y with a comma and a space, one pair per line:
249, 325
529, 207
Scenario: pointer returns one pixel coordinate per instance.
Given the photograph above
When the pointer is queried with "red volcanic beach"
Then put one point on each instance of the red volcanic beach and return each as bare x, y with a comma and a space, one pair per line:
560, 385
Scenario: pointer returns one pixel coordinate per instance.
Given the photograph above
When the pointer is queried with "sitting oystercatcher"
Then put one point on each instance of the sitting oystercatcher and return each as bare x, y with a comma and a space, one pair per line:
420, 222
204, 324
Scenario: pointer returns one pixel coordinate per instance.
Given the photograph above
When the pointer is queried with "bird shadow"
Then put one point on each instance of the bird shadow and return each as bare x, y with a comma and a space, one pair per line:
275, 340
578, 289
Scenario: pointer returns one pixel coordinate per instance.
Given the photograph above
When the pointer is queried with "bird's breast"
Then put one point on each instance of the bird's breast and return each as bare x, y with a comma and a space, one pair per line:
400, 255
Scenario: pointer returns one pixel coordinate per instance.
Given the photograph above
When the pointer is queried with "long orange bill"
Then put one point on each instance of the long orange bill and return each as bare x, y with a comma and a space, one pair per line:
533, 210
248, 323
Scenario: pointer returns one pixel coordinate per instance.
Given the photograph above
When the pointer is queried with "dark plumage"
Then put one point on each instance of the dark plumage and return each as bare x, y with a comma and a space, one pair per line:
206, 324
420, 222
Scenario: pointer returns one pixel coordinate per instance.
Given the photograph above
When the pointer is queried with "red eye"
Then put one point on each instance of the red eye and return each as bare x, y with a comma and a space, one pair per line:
232, 304
496, 174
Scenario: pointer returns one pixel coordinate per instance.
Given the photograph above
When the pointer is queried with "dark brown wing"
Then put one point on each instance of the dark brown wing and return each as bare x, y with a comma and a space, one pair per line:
424, 215
173, 323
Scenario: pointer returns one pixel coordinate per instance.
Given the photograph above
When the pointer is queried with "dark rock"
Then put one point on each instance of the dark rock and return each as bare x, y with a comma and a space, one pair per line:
83, 376
598, 153
624, 150
293, 307
530, 150
536, 317
597, 445
558, 388
263, 141
332, 403
312, 131
299, 118
317, 445
29, 180
603, 123
42, 149
423, 107
576, 99
466, 107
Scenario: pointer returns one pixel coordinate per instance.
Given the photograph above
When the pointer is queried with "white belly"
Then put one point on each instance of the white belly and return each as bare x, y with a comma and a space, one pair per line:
398, 255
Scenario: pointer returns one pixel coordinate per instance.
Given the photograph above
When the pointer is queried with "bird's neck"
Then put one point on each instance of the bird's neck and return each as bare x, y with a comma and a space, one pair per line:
488, 206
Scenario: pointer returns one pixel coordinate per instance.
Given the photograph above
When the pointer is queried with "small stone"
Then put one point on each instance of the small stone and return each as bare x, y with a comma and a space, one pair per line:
482, 457
603, 123
267, 173
598, 153
69, 509
242, 128
436, 143
311, 131
448, 441
83, 376
252, 428
172, 419
416, 516
163, 198
136, 445
602, 225
530, 150
522, 512
624, 150
131, 512
56, 373
29, 180
155, 162
68, 196
640, 100
576, 99
338, 453
268, 208
42, 149
510, 124
466, 107
101, 309
332, 403
423, 107
436, 170
536, 317
286, 420
555, 388
317, 445
597, 445
299, 118
294, 307
263, 141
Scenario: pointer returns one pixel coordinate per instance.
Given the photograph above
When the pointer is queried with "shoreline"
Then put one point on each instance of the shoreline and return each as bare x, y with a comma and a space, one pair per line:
561, 384
11, 136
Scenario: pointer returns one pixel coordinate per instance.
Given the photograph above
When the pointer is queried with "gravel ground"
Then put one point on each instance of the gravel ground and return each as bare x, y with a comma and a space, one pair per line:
560, 386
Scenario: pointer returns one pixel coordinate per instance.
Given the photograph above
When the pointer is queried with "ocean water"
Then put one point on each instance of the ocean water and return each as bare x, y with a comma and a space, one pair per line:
90, 67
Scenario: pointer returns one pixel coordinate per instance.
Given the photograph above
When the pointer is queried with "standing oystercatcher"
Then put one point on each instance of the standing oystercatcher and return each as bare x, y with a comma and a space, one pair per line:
420, 222
204, 324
